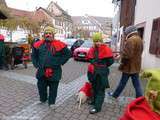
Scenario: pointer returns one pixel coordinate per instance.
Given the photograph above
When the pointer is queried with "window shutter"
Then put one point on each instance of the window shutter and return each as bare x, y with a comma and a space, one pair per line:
127, 12
158, 41
154, 37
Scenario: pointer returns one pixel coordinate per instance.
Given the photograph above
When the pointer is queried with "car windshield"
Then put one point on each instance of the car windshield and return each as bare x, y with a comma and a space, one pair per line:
87, 44
69, 42
78, 43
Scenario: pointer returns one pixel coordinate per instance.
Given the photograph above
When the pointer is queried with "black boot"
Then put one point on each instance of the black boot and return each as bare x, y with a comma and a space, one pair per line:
93, 110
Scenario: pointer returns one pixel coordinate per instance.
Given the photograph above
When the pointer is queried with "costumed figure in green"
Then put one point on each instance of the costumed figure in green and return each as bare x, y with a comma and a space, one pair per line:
3, 64
48, 56
100, 58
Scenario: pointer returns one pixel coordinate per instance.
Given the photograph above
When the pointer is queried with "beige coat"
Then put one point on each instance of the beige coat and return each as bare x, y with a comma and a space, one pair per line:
131, 55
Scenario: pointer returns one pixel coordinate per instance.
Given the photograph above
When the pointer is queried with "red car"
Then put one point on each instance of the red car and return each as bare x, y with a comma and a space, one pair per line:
81, 53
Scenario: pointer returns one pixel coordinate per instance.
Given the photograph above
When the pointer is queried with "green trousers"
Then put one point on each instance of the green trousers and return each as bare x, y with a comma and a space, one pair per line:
98, 92
43, 84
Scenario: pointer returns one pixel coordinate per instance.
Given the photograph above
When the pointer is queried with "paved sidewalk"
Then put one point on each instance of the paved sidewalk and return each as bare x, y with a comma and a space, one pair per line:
66, 101
15, 95
19, 99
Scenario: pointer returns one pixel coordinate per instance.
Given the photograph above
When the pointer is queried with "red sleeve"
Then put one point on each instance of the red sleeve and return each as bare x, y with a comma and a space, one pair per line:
91, 53
105, 52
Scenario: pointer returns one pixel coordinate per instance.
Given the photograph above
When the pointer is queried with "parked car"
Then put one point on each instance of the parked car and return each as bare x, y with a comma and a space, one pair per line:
73, 43
107, 41
76, 44
21, 40
81, 53
69, 42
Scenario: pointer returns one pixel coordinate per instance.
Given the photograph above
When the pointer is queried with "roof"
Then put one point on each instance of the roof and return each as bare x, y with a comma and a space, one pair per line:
63, 12
47, 11
103, 23
37, 15
92, 19
101, 20
20, 13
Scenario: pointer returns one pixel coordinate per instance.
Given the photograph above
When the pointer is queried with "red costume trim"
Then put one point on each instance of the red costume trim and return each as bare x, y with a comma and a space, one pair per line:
38, 43
87, 89
1, 37
58, 45
48, 72
139, 109
91, 68
104, 52
90, 53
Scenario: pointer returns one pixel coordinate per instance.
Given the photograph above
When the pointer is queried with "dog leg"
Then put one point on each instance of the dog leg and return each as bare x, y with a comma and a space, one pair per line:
77, 98
80, 102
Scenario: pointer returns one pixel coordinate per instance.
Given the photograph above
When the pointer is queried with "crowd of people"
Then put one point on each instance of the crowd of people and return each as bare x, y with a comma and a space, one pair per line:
49, 54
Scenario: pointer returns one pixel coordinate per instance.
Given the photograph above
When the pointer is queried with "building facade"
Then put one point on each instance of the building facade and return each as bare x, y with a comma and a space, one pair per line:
52, 15
92, 24
63, 22
147, 19
145, 15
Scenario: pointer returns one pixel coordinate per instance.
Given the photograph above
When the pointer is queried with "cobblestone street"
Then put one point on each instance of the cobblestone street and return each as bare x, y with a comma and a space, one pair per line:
19, 96
94, 60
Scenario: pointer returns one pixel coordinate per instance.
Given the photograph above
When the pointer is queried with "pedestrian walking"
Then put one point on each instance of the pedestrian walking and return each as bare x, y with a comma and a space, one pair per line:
100, 58
146, 107
130, 65
48, 56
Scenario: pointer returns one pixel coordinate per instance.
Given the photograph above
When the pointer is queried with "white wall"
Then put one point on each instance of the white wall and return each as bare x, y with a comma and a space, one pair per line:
115, 22
146, 11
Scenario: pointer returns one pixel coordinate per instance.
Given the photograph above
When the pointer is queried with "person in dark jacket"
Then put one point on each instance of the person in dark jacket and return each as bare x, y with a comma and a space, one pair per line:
48, 56
3, 64
100, 58
130, 62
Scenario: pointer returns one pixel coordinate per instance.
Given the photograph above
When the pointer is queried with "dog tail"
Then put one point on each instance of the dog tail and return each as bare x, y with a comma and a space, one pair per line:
80, 102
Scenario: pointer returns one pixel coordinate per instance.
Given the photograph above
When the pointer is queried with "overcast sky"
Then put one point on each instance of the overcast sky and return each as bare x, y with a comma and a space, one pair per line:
74, 7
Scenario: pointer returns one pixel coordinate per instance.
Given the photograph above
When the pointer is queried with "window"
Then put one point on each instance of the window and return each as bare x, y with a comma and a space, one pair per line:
155, 38
85, 22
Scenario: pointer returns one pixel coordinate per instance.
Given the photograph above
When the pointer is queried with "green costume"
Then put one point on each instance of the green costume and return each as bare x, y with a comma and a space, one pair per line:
49, 56
2, 54
152, 91
101, 58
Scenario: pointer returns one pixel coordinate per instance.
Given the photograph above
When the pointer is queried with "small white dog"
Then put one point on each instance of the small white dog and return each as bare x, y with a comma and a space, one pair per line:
84, 93
82, 98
